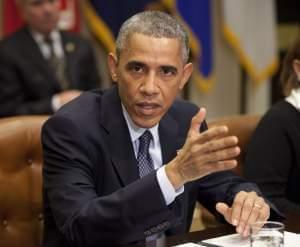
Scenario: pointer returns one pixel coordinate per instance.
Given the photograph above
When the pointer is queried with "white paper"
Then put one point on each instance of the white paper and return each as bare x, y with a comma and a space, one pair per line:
235, 240
187, 245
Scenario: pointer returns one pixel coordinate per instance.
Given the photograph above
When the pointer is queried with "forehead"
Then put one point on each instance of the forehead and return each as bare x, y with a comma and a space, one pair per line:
163, 50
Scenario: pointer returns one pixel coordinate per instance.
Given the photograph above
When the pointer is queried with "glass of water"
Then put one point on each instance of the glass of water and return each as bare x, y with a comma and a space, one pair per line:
267, 234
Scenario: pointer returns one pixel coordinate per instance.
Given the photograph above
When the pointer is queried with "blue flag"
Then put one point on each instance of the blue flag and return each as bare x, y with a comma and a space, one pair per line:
106, 17
197, 16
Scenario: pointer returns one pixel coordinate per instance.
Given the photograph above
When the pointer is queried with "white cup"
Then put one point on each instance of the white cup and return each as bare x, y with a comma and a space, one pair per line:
267, 234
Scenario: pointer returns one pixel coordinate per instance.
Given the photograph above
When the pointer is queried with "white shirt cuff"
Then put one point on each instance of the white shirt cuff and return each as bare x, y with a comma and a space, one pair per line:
55, 103
166, 187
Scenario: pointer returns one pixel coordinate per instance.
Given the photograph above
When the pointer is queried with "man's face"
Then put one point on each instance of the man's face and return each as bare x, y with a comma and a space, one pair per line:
40, 15
149, 74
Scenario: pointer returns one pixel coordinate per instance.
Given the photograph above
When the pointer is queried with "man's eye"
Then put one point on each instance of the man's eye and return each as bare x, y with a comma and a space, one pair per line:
137, 68
168, 71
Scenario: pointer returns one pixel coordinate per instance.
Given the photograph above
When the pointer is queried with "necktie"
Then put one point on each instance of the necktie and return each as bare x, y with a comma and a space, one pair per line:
57, 64
145, 162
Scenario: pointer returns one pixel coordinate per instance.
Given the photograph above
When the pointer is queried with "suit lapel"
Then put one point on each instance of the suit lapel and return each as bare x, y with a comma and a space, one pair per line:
168, 132
70, 48
119, 141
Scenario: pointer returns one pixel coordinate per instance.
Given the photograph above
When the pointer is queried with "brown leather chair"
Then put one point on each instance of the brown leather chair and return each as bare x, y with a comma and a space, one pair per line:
241, 126
21, 218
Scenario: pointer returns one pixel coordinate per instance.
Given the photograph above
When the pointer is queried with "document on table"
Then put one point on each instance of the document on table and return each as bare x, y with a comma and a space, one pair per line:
235, 240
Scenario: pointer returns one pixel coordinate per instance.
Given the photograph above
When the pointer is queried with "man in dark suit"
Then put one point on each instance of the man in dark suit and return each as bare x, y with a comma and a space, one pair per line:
128, 164
42, 68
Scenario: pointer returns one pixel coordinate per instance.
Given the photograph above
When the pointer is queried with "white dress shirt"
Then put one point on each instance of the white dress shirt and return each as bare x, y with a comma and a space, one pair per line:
44, 46
135, 132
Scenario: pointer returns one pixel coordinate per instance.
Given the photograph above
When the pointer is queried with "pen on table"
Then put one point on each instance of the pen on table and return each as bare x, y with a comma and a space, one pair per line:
208, 244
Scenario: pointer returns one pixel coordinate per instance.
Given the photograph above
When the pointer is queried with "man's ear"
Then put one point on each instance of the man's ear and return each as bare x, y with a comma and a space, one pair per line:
112, 62
187, 72
296, 66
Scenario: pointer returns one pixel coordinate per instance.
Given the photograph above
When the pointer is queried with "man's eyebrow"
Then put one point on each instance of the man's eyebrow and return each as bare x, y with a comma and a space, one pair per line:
169, 67
134, 63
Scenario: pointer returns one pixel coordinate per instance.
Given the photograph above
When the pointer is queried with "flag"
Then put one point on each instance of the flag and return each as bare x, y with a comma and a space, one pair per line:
197, 17
249, 28
69, 16
106, 17
11, 18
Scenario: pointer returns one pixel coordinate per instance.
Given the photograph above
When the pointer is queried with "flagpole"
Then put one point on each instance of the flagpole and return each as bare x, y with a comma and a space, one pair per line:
243, 91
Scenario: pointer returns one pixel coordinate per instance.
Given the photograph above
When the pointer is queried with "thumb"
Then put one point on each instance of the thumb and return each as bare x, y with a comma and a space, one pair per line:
225, 210
197, 121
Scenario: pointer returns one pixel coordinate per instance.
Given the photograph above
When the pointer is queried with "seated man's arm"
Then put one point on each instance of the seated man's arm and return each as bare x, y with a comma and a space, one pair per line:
88, 201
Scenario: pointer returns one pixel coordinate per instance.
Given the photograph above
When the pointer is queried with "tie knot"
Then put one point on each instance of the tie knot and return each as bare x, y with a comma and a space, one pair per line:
145, 139
48, 40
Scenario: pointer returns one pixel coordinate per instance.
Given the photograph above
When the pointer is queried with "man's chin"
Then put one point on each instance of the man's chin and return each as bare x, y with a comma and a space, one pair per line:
144, 122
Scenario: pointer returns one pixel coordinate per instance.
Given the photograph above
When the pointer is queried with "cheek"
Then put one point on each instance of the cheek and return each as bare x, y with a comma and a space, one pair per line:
170, 90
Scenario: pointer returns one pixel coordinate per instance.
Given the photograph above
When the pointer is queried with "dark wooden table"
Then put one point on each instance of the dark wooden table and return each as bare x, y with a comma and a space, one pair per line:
292, 224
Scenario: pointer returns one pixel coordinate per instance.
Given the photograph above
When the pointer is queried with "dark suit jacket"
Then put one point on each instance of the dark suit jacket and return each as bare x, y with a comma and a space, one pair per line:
93, 195
27, 83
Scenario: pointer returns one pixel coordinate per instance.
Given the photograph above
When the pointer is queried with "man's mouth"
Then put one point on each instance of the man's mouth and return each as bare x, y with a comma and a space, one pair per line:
147, 108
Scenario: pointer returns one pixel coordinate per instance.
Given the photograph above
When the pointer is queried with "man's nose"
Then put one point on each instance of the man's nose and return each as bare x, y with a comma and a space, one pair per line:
150, 84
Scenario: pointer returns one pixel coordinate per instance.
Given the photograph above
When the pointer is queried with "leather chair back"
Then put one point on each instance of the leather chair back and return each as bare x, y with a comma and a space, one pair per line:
243, 127
21, 218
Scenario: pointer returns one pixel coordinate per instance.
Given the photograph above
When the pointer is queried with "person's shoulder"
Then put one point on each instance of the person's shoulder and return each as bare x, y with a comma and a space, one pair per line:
183, 108
182, 112
85, 105
279, 115
281, 110
13, 40
74, 37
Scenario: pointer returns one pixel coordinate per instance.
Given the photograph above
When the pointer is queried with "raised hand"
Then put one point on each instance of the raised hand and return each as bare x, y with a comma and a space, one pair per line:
202, 153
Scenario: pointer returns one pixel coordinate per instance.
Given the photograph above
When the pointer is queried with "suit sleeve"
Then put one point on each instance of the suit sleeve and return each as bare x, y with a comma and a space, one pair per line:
13, 99
88, 218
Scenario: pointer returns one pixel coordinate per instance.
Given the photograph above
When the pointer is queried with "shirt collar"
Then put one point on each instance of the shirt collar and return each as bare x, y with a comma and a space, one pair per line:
294, 98
136, 131
39, 37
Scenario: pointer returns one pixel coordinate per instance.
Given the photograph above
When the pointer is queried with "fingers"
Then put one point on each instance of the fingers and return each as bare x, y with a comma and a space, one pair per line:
225, 210
218, 144
197, 121
205, 153
211, 134
260, 212
219, 155
247, 209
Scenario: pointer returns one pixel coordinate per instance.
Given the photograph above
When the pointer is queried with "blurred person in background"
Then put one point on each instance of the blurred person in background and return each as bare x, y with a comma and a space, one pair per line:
273, 156
41, 67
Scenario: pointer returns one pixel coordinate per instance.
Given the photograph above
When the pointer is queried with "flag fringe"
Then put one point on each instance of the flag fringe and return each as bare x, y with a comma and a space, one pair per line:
99, 27
257, 76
